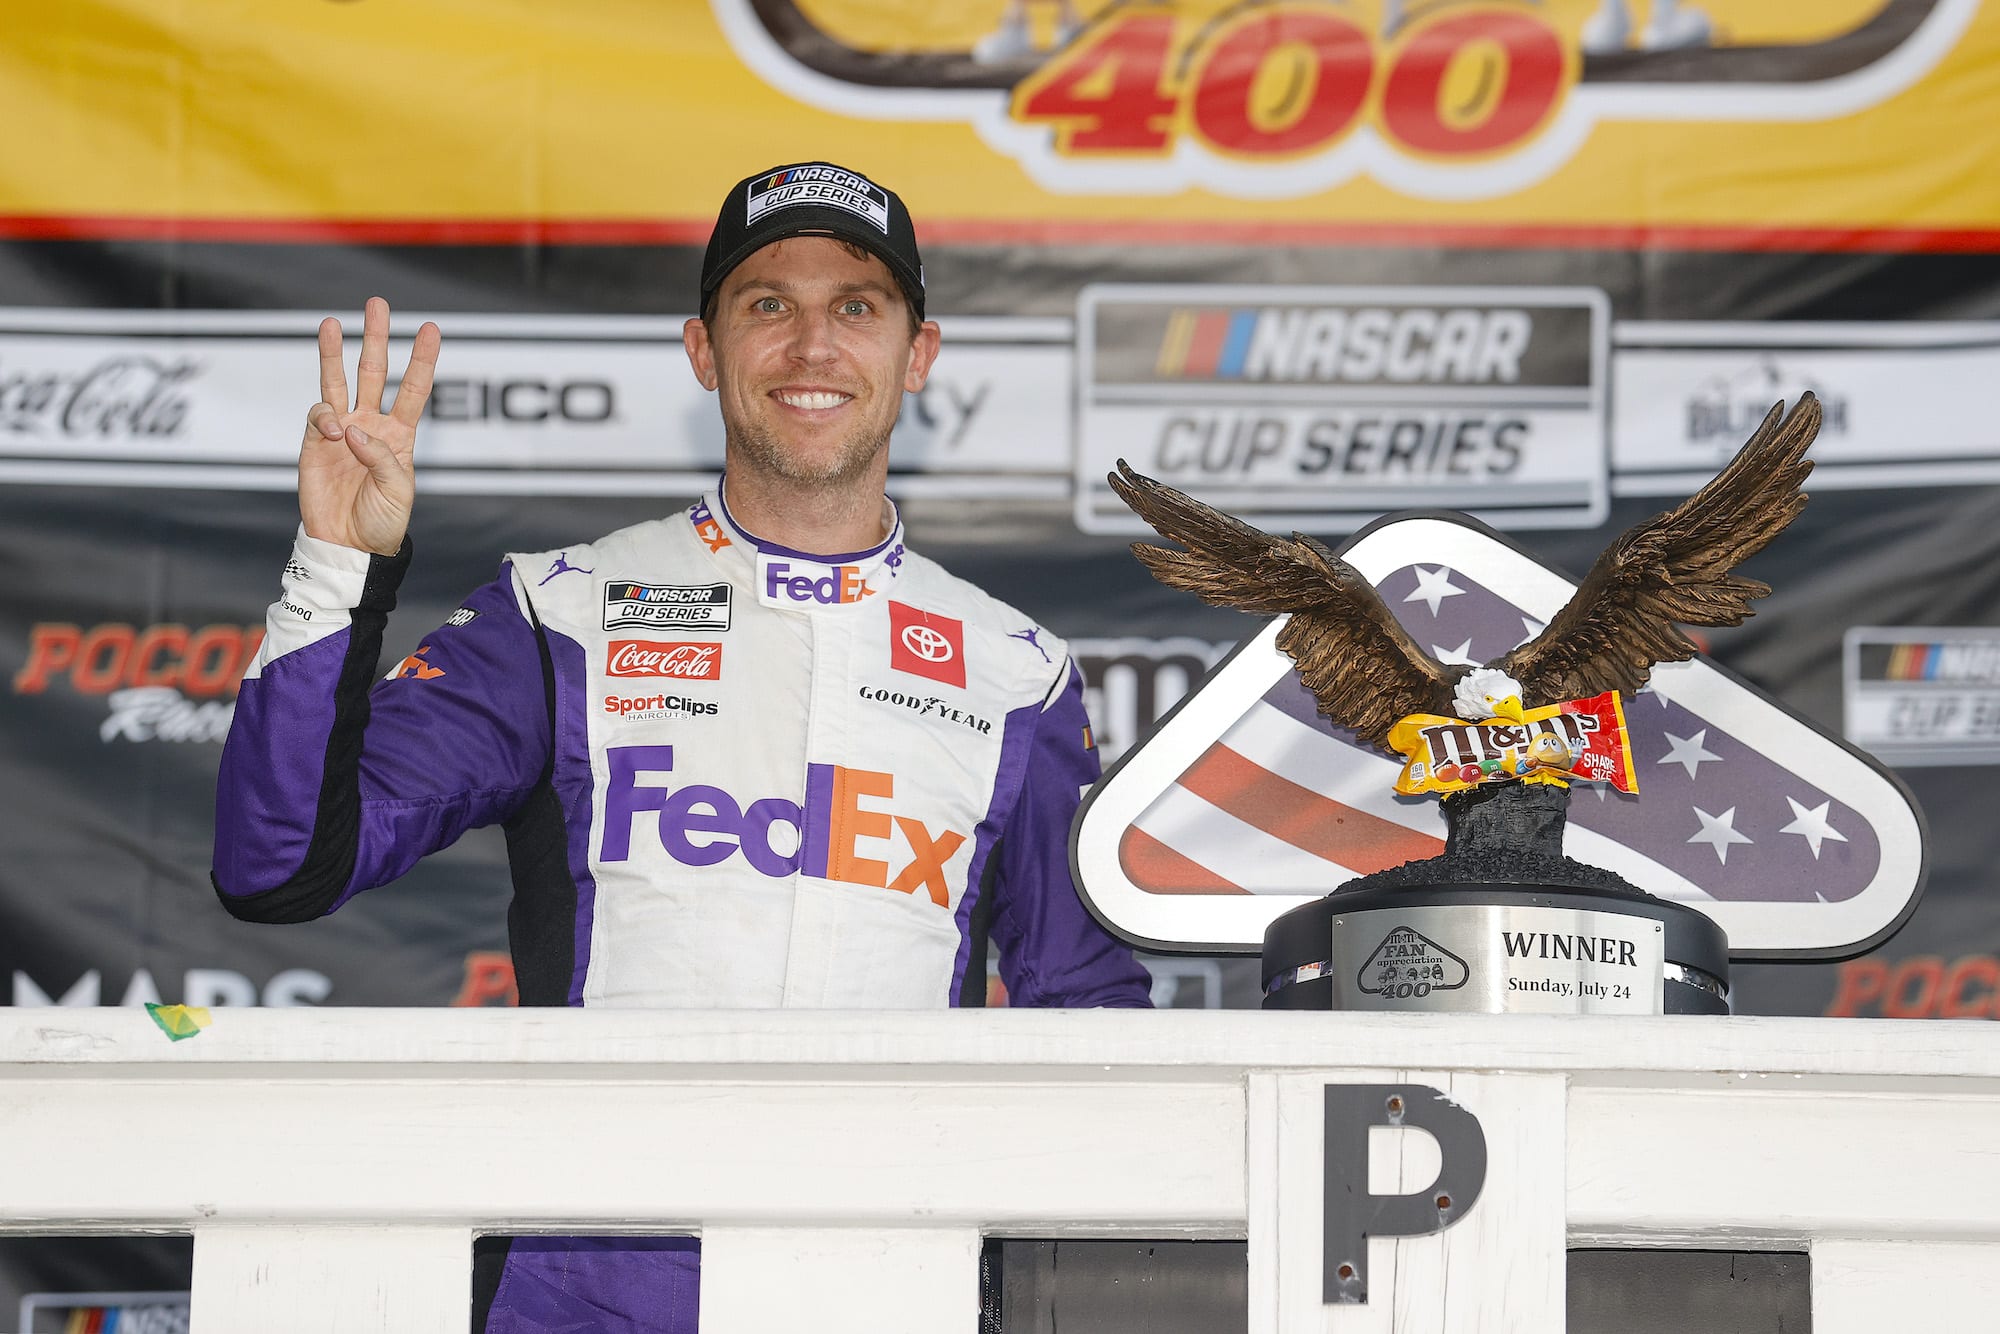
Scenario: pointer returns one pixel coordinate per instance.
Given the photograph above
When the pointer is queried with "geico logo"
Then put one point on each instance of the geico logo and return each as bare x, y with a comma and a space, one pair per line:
205, 662
701, 825
838, 584
521, 401
1418, 344
621, 705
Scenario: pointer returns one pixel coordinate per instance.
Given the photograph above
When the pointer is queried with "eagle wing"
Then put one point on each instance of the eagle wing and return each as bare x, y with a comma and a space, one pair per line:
1673, 569
1351, 652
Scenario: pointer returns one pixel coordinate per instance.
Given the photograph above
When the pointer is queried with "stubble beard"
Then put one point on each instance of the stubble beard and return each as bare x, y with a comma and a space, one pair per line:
767, 454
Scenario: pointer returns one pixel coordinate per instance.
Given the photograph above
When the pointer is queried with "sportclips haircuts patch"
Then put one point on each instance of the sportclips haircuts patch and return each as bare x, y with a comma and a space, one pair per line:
828, 187
630, 606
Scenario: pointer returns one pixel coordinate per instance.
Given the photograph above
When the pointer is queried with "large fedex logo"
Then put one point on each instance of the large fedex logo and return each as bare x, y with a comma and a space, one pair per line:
845, 819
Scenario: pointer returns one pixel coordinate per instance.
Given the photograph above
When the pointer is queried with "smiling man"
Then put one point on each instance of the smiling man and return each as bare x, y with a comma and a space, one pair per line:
754, 753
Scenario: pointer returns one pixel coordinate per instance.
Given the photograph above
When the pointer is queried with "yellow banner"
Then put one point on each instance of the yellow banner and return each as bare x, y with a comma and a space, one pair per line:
1843, 124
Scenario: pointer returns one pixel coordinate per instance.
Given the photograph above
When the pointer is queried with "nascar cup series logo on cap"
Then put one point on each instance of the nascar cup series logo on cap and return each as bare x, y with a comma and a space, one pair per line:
826, 187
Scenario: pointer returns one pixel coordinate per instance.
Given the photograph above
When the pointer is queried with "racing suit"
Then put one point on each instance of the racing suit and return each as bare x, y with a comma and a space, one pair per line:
730, 774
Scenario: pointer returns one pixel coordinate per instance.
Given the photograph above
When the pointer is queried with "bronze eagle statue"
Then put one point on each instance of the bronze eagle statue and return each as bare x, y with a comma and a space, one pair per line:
1366, 671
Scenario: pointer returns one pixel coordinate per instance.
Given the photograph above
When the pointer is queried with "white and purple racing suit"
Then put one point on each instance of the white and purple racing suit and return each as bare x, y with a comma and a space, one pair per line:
730, 774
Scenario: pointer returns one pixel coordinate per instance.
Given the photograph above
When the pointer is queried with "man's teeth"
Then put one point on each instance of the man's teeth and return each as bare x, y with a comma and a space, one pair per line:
814, 400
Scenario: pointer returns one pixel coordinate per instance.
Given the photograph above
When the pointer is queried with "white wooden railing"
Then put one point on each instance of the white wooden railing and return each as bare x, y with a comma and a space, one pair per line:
334, 1165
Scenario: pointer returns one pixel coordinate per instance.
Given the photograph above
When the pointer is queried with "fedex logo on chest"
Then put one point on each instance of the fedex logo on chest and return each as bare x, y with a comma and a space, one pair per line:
792, 581
846, 829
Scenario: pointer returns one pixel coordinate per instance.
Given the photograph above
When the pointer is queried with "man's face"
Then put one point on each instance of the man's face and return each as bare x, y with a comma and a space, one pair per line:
810, 352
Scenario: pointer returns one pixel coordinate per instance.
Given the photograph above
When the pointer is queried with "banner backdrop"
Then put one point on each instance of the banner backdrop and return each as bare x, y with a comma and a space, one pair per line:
1547, 263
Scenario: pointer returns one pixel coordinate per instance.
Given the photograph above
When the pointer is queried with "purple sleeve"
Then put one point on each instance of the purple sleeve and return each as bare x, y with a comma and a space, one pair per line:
1052, 951
333, 781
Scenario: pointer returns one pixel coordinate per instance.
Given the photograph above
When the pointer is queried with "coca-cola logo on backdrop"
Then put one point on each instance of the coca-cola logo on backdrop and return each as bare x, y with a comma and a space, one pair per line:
135, 395
683, 661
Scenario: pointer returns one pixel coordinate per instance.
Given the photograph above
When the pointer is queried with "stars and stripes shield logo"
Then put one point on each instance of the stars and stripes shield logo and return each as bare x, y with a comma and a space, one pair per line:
1245, 803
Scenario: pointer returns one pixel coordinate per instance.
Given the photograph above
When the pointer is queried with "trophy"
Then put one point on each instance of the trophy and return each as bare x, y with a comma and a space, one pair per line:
1502, 921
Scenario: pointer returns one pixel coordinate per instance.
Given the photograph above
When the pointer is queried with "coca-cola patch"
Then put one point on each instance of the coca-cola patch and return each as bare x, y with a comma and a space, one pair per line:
634, 606
679, 661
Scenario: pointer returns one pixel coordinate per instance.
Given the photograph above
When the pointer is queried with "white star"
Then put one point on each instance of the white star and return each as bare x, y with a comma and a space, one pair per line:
1463, 653
1531, 627
1687, 751
1811, 825
1434, 586
1718, 831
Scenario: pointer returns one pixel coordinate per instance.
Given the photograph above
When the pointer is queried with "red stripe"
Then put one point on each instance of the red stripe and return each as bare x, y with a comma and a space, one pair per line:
1158, 869
1469, 236
1211, 327
977, 231
379, 231
1302, 817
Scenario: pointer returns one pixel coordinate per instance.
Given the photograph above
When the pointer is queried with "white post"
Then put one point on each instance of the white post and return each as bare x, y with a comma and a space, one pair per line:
1861, 1287
255, 1278
1504, 1258
840, 1280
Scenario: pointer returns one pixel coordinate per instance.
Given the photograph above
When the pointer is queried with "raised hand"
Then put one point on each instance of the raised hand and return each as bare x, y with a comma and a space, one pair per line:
357, 478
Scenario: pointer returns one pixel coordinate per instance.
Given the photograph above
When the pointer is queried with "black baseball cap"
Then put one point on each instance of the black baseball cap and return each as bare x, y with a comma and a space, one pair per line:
813, 199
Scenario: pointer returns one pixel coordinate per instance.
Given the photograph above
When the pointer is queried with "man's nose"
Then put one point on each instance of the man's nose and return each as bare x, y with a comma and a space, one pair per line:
812, 337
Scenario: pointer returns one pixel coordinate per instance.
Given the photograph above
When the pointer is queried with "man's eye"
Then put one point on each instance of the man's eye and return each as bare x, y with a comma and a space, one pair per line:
854, 306
768, 305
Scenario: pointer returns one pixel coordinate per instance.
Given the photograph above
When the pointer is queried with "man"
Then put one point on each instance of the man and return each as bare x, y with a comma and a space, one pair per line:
755, 753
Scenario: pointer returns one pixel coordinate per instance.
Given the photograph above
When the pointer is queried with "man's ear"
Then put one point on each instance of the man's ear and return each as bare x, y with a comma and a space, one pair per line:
923, 353
701, 352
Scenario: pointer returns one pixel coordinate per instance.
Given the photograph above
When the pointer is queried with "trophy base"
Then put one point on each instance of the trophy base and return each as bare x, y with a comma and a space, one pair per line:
1496, 947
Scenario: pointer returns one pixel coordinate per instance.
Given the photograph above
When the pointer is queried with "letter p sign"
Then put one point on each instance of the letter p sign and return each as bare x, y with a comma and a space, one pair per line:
1353, 1213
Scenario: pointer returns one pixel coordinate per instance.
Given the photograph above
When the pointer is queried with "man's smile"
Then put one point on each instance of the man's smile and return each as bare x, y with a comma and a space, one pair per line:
811, 400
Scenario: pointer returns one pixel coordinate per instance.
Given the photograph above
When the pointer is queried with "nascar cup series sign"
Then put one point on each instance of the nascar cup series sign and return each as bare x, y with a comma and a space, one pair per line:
1319, 408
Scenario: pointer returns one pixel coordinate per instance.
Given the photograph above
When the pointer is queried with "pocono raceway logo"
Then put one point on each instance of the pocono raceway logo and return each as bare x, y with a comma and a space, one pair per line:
1286, 99
855, 827
165, 682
